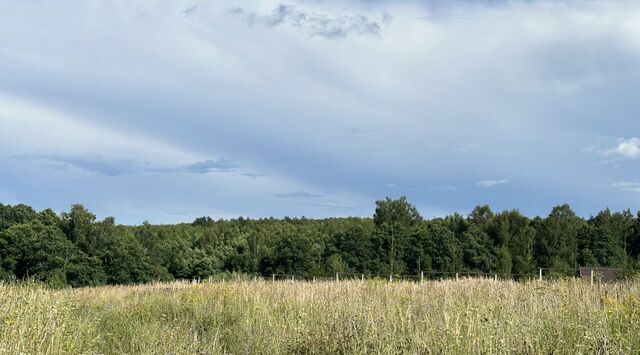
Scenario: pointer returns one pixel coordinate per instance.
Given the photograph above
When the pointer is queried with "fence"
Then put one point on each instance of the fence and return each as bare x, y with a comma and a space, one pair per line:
592, 274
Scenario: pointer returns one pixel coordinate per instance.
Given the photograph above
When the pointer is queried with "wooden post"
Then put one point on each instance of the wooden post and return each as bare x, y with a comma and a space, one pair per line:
456, 276
495, 277
314, 279
273, 277
337, 277
390, 278
362, 277
540, 277
421, 276
591, 277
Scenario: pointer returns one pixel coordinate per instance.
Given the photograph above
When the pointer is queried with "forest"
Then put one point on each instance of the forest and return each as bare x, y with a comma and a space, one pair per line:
75, 249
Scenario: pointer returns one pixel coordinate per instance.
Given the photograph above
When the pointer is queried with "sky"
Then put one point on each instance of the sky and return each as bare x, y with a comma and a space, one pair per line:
167, 111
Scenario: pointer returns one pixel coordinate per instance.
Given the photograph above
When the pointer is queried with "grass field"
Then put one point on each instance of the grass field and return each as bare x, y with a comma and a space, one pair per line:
466, 316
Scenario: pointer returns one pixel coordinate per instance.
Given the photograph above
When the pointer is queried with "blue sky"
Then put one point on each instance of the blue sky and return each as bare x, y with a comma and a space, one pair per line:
165, 111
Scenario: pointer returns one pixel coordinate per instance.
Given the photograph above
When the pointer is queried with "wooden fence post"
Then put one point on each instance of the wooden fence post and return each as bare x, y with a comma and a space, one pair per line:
591, 277
421, 276
456, 276
337, 277
540, 277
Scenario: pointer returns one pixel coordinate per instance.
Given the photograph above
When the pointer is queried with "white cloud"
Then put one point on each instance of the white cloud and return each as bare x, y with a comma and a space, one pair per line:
314, 23
491, 183
627, 186
626, 148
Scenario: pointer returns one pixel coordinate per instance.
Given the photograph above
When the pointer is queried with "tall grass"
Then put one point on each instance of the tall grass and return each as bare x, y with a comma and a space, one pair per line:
466, 316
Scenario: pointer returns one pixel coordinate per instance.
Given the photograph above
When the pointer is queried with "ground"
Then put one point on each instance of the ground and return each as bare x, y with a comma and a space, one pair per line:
465, 316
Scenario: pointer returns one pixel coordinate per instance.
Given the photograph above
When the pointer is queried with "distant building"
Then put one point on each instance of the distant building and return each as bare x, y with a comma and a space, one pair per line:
603, 274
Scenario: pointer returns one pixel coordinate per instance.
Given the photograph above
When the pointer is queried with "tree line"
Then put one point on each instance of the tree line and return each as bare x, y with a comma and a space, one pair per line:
75, 249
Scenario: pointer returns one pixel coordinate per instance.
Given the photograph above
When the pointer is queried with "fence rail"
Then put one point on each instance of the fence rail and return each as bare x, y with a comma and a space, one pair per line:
543, 274
588, 273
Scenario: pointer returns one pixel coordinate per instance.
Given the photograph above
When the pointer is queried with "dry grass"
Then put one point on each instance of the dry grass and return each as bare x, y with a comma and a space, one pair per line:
466, 316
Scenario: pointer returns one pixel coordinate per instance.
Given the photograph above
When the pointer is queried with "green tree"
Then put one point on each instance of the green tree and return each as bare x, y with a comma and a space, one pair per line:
125, 261
504, 262
478, 250
77, 224
18, 214
441, 248
609, 237
293, 254
556, 240
355, 248
633, 242
42, 252
513, 231
393, 222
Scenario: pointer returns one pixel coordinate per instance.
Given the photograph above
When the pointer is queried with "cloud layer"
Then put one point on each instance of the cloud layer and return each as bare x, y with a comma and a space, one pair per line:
101, 164
627, 186
168, 111
627, 148
491, 183
315, 24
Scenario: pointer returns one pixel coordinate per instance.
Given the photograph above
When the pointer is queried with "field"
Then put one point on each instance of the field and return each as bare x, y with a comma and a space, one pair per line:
466, 316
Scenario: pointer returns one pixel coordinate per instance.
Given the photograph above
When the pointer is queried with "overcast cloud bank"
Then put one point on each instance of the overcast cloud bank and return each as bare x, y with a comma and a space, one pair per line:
169, 111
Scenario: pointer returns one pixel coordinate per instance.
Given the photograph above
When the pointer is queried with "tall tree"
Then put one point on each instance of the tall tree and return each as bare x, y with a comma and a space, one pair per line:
77, 225
478, 250
10, 215
556, 239
513, 231
42, 252
393, 222
611, 233
441, 247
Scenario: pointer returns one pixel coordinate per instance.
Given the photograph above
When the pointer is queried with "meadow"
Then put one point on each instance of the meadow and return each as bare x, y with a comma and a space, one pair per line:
240, 317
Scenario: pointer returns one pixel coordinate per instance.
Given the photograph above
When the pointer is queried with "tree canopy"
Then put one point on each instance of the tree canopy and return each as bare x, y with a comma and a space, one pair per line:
76, 249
